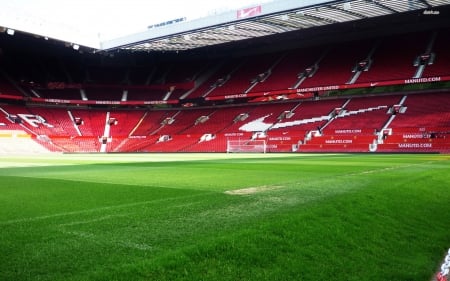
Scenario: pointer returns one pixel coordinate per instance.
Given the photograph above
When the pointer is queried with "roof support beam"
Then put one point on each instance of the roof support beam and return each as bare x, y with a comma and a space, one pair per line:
425, 2
327, 20
377, 3
347, 12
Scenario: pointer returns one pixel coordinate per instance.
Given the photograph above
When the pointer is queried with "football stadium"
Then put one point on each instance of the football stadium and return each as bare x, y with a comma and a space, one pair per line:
280, 140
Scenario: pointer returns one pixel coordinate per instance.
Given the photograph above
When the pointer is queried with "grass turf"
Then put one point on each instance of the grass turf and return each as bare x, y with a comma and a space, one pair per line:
170, 217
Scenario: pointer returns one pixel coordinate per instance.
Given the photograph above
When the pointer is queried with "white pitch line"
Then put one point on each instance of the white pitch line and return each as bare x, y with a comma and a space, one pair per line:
32, 219
380, 170
94, 220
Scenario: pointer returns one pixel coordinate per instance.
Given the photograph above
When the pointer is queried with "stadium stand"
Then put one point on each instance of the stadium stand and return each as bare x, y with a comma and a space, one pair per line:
320, 95
393, 58
420, 124
439, 66
7, 87
334, 68
285, 74
346, 125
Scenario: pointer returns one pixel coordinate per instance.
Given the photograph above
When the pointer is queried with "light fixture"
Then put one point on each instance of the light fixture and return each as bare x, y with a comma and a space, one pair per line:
10, 31
75, 46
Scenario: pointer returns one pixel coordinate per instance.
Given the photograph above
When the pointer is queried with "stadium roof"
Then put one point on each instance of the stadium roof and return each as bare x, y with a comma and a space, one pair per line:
233, 25
263, 20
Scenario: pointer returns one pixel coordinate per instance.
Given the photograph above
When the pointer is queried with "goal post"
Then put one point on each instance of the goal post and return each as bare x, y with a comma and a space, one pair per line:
246, 146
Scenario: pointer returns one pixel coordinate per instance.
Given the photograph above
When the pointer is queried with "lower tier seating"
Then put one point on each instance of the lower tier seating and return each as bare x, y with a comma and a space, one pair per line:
383, 123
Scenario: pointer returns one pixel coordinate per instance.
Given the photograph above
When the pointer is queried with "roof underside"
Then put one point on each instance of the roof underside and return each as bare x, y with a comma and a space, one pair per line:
259, 25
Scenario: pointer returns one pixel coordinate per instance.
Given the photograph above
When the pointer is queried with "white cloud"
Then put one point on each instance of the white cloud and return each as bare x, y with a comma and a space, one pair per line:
89, 21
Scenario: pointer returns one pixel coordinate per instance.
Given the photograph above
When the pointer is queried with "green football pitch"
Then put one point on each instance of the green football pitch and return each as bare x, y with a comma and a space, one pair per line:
224, 216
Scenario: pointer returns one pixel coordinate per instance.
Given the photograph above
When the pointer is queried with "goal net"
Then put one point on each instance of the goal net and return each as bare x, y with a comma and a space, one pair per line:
246, 146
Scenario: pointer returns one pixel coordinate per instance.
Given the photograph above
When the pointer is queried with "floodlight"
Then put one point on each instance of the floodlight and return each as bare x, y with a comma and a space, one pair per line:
75, 46
10, 31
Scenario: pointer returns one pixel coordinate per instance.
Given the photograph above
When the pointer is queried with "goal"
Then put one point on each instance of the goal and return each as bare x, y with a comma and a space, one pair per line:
246, 146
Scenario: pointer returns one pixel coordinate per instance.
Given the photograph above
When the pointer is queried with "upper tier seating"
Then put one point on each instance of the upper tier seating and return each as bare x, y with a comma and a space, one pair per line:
62, 94
335, 68
235, 76
6, 88
393, 58
285, 74
440, 66
103, 94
